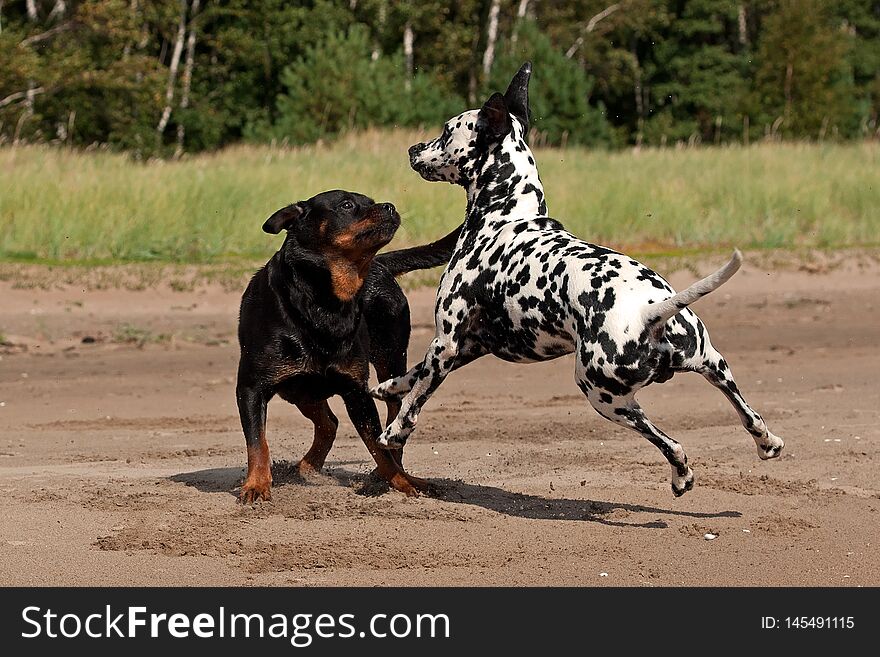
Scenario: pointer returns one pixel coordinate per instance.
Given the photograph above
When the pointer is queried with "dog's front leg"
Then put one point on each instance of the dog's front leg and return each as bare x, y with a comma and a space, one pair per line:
395, 388
362, 411
429, 374
252, 411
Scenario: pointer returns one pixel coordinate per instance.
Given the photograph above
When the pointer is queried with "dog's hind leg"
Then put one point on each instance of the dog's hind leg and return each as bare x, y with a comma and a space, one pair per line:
325, 433
626, 412
717, 372
623, 409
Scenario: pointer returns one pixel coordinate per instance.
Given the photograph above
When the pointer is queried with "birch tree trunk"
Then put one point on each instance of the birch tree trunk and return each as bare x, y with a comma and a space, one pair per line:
31, 94
31, 10
637, 93
741, 22
187, 73
472, 84
18, 95
786, 89
591, 25
43, 36
28, 112
133, 10
408, 53
172, 70
521, 11
380, 19
58, 10
491, 38
145, 31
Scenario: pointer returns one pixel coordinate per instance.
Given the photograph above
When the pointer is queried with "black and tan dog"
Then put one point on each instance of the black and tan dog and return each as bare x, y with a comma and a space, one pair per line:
323, 308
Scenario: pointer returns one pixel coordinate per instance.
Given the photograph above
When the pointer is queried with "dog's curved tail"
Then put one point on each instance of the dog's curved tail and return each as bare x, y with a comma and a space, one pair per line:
420, 257
658, 313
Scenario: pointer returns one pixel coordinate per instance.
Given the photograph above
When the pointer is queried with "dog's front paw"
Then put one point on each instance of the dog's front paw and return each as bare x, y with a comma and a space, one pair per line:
256, 488
770, 447
681, 484
393, 389
390, 442
393, 438
387, 391
381, 392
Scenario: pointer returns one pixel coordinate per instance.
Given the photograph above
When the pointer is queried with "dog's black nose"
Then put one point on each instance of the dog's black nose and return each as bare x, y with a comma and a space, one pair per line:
415, 149
388, 207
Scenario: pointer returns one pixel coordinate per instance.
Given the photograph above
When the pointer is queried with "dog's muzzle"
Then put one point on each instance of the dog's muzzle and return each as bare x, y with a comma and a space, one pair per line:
381, 223
391, 214
414, 151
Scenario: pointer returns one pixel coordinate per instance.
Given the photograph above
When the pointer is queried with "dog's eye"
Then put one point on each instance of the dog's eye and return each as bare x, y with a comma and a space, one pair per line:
347, 205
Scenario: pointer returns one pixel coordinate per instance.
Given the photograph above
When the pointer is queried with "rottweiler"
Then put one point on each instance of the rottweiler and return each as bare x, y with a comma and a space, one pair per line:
315, 316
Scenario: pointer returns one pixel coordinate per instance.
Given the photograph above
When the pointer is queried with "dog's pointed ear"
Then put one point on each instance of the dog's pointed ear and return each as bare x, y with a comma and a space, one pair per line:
494, 118
517, 95
284, 218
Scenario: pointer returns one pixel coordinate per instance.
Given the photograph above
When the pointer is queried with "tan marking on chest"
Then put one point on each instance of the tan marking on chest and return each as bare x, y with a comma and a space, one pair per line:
346, 278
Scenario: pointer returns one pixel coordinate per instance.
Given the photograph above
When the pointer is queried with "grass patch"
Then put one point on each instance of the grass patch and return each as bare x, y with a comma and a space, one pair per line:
99, 208
231, 276
130, 334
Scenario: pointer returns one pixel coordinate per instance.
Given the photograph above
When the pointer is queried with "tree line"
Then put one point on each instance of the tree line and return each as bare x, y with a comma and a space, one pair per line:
164, 77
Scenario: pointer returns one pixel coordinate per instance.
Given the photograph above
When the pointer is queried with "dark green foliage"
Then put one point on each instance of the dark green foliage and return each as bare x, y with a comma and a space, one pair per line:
559, 94
860, 20
337, 86
698, 69
606, 72
89, 84
803, 84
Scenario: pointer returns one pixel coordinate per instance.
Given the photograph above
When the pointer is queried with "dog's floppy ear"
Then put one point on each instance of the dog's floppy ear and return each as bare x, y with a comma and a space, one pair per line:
284, 218
494, 118
517, 94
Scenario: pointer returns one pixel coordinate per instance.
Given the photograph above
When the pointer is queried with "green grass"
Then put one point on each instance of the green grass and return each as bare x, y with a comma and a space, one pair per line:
97, 207
130, 334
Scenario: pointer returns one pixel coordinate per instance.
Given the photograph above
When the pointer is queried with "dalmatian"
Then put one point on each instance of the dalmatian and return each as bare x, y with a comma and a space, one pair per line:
521, 287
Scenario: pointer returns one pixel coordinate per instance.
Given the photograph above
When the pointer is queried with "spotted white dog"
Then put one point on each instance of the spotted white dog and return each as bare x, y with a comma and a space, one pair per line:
521, 287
